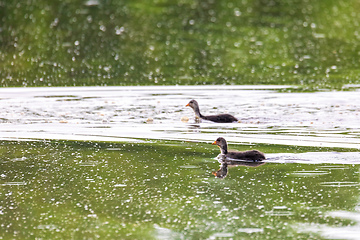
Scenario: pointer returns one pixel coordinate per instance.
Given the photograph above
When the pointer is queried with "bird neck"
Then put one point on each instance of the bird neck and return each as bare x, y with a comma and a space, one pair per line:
197, 112
223, 149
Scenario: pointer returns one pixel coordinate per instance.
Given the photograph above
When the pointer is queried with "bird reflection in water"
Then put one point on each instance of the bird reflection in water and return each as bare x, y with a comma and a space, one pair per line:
194, 126
226, 164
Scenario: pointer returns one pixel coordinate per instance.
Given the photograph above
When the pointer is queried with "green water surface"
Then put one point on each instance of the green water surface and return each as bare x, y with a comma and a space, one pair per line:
79, 190
166, 189
314, 44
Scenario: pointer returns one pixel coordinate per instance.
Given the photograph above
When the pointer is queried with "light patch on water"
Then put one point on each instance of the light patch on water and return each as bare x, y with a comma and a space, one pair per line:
189, 166
19, 159
49, 227
347, 158
221, 235
92, 3
14, 184
309, 173
280, 211
88, 164
165, 233
120, 185
340, 184
251, 230
334, 167
319, 119
336, 232
280, 207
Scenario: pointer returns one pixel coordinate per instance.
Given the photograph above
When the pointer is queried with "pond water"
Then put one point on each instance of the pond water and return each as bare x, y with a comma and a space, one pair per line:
267, 114
314, 44
132, 163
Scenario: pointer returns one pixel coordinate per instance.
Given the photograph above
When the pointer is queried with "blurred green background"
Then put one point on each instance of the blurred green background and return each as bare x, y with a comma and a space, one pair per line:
164, 42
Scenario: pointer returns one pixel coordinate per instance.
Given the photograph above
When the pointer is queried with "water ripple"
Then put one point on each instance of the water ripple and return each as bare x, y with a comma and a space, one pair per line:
322, 119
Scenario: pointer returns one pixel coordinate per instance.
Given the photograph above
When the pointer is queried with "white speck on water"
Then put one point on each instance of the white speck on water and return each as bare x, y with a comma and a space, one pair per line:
120, 185
221, 235
92, 3
251, 230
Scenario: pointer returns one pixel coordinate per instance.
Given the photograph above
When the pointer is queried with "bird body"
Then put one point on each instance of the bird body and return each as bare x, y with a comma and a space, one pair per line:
252, 155
221, 118
247, 155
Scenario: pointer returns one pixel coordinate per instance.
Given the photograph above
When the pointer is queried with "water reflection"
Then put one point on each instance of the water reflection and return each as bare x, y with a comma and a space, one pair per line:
222, 172
194, 126
350, 231
202, 42
74, 189
226, 164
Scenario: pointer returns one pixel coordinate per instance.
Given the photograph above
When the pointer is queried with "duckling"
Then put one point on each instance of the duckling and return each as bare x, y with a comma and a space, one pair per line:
221, 118
253, 155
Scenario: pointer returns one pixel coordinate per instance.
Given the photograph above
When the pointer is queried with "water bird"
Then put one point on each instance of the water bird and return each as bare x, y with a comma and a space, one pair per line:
252, 155
221, 118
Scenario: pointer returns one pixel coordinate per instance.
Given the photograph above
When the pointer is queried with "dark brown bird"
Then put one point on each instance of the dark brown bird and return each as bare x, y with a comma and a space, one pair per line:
221, 118
253, 155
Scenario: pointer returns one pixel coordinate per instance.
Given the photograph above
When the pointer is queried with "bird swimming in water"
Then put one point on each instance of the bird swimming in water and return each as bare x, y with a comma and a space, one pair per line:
221, 118
252, 155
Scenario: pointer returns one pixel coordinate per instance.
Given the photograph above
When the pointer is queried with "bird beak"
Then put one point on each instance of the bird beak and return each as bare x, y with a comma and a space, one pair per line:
214, 143
187, 105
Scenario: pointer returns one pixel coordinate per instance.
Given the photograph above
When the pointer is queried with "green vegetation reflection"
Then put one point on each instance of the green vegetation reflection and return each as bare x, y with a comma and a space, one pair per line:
161, 190
64, 43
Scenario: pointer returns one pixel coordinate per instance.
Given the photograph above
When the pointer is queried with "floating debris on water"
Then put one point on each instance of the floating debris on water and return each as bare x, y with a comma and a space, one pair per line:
184, 119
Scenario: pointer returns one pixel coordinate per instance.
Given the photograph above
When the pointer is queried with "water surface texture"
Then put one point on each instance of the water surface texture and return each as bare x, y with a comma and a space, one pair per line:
267, 115
314, 44
77, 190
132, 163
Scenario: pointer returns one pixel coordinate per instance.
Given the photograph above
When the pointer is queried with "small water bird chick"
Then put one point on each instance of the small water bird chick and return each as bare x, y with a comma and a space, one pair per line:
221, 118
252, 155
